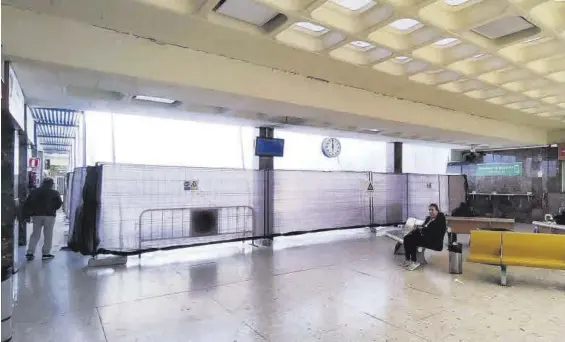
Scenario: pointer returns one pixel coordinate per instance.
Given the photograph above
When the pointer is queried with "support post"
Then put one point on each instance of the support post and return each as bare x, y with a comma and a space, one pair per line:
503, 280
8, 203
22, 187
266, 164
394, 157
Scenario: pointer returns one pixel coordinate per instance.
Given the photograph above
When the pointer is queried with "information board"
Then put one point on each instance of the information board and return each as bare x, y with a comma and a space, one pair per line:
509, 169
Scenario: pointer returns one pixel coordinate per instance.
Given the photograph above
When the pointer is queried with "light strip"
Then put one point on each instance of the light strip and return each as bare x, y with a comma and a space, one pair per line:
404, 24
310, 27
154, 99
353, 5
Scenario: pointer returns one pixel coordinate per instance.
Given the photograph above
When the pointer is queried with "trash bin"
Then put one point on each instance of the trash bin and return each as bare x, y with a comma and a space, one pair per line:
7, 303
455, 258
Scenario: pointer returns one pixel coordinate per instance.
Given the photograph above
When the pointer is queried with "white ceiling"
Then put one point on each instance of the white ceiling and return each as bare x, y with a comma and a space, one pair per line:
432, 52
47, 85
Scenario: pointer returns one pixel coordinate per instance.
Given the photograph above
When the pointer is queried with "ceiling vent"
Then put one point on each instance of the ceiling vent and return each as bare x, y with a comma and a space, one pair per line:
251, 12
506, 27
289, 120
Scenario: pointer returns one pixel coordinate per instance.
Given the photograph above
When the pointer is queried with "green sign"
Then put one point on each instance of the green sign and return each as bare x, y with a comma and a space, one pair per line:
510, 169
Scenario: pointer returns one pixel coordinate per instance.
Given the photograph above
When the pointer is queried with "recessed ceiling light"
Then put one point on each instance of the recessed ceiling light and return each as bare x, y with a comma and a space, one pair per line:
404, 24
310, 27
402, 59
371, 130
154, 99
455, 2
362, 44
446, 41
353, 5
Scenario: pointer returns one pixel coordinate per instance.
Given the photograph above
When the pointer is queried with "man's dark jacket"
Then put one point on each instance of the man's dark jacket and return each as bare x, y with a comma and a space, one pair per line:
42, 201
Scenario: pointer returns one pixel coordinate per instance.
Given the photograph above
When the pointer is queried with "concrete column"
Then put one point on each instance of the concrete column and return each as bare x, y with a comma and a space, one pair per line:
394, 157
8, 204
22, 190
266, 188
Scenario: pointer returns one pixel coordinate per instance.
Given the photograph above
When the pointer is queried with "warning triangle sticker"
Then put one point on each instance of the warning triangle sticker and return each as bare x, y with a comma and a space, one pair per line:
370, 187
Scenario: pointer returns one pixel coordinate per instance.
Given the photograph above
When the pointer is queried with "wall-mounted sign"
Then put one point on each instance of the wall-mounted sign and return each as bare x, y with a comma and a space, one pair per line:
191, 185
16, 102
561, 151
33, 163
509, 169
30, 126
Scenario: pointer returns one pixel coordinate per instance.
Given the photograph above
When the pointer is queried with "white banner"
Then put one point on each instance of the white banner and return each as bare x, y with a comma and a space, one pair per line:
16, 102
30, 126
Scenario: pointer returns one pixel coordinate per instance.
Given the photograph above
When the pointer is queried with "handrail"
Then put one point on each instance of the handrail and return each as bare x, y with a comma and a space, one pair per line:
151, 210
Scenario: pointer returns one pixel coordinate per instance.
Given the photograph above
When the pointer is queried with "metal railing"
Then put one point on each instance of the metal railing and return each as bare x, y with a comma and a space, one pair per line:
174, 224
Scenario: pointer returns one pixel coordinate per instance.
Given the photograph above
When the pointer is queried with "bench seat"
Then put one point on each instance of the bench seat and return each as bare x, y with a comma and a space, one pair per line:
517, 249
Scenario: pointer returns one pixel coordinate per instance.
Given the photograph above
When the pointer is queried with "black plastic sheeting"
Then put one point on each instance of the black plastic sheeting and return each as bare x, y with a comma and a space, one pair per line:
84, 235
272, 236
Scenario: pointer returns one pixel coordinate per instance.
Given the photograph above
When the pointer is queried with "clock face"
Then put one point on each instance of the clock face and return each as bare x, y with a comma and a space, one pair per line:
331, 147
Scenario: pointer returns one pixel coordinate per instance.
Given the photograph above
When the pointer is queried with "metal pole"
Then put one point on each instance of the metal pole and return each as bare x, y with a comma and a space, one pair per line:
83, 139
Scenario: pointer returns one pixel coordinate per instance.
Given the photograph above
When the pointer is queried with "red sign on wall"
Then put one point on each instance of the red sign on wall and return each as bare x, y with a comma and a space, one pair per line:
561, 152
33, 163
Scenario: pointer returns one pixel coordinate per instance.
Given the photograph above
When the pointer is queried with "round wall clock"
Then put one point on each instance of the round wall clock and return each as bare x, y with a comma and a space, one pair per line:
331, 147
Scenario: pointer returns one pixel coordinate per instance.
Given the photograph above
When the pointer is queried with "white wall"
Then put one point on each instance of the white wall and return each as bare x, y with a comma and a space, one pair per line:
424, 159
303, 151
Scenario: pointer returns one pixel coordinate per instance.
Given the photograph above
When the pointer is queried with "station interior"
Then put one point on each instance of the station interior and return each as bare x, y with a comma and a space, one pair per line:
283, 170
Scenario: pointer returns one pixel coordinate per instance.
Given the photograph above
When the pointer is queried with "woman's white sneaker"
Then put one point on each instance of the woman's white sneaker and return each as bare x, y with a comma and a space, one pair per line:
406, 263
413, 266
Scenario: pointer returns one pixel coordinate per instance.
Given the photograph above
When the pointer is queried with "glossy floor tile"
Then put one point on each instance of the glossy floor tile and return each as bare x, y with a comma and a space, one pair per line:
339, 286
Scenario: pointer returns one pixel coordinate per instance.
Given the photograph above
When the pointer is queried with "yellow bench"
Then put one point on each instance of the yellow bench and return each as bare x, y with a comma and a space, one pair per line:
517, 249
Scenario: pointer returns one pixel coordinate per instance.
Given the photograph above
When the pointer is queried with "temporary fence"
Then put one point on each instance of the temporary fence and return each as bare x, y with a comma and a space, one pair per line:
139, 208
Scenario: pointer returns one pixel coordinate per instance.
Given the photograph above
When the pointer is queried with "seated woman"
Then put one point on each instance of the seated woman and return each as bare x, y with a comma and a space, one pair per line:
430, 235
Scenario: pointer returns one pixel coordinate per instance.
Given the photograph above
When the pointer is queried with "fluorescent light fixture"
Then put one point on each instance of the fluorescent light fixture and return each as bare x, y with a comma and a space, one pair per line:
310, 27
371, 130
446, 41
479, 56
362, 44
404, 24
353, 5
248, 11
154, 99
402, 59
455, 2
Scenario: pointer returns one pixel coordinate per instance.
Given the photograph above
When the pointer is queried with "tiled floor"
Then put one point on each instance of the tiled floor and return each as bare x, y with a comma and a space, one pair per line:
341, 286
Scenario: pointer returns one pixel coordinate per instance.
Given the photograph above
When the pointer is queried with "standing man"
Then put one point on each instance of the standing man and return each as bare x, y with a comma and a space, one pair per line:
42, 204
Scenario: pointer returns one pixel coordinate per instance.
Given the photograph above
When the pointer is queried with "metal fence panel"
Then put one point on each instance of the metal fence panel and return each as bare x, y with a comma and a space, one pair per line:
310, 200
443, 193
129, 190
422, 190
389, 198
